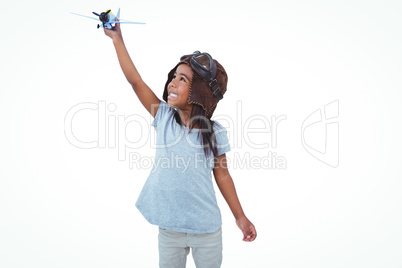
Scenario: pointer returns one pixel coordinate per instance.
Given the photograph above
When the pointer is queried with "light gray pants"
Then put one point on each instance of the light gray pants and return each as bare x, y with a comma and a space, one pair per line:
175, 246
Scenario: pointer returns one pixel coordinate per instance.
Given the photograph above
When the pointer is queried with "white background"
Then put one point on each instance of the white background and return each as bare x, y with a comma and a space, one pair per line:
63, 206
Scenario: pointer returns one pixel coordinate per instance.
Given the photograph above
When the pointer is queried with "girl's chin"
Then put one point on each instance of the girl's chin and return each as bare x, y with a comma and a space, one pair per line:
171, 101
171, 104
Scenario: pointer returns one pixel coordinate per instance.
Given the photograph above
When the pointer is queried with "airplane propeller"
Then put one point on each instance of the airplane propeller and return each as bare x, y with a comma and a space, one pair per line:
103, 17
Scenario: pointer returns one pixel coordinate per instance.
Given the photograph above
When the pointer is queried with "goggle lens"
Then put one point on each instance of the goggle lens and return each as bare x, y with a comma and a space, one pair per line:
204, 61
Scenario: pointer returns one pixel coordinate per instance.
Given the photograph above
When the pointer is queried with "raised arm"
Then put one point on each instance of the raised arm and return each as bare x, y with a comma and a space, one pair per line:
147, 97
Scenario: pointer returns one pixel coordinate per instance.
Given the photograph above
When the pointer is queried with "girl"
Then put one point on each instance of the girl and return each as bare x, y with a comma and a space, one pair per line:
178, 196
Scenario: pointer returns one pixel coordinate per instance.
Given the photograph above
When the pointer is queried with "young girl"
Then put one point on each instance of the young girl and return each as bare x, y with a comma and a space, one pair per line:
178, 196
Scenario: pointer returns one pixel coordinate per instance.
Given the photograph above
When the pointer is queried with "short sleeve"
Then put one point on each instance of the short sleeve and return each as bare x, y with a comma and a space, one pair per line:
162, 110
221, 139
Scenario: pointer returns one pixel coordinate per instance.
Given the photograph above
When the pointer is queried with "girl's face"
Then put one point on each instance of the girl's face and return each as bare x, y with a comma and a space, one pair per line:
179, 88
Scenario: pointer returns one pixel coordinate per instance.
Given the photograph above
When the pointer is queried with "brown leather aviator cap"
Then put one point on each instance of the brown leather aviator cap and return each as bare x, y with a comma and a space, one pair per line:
201, 92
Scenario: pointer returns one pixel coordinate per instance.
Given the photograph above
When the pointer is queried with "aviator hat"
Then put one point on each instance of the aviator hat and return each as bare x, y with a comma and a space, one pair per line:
208, 84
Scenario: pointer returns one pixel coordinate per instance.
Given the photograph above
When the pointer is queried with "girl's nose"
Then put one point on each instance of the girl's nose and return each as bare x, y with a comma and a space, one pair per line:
171, 84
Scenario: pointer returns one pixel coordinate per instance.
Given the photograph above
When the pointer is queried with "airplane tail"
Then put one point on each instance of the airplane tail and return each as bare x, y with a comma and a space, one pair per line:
118, 14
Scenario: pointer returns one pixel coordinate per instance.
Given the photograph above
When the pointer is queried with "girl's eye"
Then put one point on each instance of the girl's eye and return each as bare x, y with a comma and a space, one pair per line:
181, 79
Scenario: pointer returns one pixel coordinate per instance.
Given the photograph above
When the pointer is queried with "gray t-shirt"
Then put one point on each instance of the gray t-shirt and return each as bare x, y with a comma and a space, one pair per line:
178, 194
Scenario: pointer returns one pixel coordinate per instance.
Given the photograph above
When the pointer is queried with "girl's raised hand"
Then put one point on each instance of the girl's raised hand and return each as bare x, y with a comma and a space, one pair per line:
247, 228
115, 32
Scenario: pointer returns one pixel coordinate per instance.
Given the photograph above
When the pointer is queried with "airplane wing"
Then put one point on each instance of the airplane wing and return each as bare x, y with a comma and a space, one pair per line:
129, 22
122, 19
85, 16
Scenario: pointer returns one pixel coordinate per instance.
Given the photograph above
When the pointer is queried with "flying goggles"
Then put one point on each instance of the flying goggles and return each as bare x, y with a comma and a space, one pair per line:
205, 66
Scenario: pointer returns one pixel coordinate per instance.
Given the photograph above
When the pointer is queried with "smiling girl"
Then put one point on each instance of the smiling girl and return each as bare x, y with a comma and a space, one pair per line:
183, 202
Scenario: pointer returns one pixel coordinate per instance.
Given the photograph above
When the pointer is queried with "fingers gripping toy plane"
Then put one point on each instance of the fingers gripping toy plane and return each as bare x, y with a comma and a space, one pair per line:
108, 19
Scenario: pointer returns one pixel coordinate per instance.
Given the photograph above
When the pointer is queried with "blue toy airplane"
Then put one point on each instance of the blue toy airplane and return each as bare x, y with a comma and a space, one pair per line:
107, 18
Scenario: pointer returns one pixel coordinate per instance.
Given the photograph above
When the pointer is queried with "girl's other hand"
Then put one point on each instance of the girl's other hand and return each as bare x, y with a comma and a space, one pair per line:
247, 228
115, 32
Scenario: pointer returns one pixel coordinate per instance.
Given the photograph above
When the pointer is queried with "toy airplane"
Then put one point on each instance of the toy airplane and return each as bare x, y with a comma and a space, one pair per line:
107, 18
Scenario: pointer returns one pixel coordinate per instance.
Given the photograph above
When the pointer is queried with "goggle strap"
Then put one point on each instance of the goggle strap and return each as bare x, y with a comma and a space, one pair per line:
186, 56
216, 89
